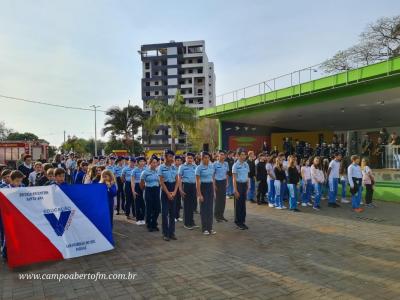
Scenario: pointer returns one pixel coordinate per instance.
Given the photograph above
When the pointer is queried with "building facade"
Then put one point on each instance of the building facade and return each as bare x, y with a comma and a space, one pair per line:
168, 67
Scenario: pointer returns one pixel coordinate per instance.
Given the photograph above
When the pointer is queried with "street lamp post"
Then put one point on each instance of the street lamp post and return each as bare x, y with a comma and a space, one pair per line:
95, 128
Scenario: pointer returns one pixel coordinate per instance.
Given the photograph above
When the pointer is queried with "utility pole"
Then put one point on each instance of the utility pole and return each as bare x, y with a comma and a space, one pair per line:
95, 128
64, 136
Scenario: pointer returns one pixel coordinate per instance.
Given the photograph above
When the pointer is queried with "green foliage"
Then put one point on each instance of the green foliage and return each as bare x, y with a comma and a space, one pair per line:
75, 144
114, 143
26, 136
177, 116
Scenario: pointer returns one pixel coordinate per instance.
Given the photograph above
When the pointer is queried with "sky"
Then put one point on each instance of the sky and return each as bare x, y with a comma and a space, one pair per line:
84, 52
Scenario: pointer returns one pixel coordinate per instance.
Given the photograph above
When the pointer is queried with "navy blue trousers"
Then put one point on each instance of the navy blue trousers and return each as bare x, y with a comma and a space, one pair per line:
152, 199
129, 201
168, 211
240, 203
188, 203
139, 203
207, 206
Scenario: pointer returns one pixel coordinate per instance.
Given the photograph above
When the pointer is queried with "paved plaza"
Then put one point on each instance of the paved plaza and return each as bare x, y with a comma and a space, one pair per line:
331, 254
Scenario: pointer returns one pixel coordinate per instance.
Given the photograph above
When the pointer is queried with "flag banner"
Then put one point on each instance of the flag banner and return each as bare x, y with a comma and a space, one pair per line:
55, 222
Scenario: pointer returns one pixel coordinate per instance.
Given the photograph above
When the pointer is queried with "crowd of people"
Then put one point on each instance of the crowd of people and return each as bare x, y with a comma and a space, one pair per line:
180, 186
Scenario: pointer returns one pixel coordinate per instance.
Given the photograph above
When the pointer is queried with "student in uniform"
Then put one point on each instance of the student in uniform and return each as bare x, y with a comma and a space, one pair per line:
126, 179
333, 179
107, 177
5, 178
169, 187
178, 197
354, 176
280, 180
5, 181
343, 180
26, 168
306, 182
33, 176
120, 185
368, 181
240, 172
187, 187
221, 182
317, 179
205, 186
80, 175
261, 176
137, 190
292, 181
59, 176
252, 176
230, 160
269, 167
150, 183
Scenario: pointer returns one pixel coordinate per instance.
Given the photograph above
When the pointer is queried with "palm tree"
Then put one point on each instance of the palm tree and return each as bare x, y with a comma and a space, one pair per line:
176, 115
124, 122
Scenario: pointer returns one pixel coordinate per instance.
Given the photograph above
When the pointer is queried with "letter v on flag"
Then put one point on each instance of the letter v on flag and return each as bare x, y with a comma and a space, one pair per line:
52, 223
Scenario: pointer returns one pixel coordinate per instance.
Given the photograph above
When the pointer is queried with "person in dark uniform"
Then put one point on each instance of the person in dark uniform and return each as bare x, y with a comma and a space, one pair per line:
150, 183
265, 147
380, 152
187, 187
317, 150
26, 168
252, 176
342, 150
287, 146
275, 151
126, 179
325, 150
230, 160
221, 181
137, 191
120, 192
169, 187
178, 198
205, 192
261, 177
308, 151
299, 150
367, 146
240, 173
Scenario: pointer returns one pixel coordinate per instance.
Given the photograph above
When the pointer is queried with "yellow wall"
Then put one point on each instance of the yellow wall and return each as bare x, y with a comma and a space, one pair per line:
307, 136
160, 152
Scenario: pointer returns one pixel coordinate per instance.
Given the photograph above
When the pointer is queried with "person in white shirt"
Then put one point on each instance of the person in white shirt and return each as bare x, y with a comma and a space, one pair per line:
343, 180
354, 175
306, 183
333, 179
33, 176
368, 181
270, 180
317, 179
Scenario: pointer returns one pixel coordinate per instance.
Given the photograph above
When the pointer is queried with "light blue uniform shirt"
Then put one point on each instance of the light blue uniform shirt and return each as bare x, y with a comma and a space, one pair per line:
168, 172
110, 168
188, 173
353, 171
126, 172
118, 170
150, 177
221, 170
241, 170
136, 172
206, 173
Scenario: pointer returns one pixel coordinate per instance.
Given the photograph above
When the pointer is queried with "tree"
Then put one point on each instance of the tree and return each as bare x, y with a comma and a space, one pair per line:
379, 41
75, 144
26, 136
124, 123
89, 148
4, 131
178, 116
205, 132
117, 144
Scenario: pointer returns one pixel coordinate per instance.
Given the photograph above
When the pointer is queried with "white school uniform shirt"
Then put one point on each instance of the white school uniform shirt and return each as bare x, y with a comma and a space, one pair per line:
335, 168
306, 171
270, 170
353, 171
32, 177
317, 175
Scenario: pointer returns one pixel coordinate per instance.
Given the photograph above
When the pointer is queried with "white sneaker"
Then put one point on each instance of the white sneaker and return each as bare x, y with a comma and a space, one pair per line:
180, 219
138, 222
344, 200
361, 203
176, 220
205, 232
270, 205
213, 231
278, 207
304, 204
309, 204
284, 207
